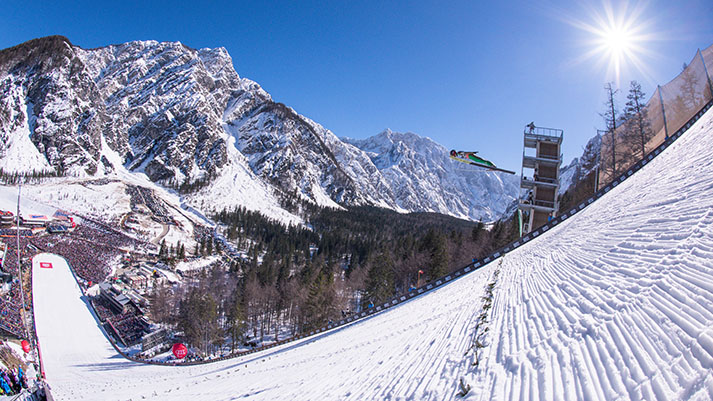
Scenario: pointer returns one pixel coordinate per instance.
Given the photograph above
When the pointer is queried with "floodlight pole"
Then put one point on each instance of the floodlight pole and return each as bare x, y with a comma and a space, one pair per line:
19, 262
663, 112
599, 161
708, 77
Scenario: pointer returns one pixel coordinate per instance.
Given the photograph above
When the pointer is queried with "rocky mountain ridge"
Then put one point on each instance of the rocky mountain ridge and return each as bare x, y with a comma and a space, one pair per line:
181, 115
582, 166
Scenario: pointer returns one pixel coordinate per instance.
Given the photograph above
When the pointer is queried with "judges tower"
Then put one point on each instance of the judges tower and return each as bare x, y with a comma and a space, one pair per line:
541, 160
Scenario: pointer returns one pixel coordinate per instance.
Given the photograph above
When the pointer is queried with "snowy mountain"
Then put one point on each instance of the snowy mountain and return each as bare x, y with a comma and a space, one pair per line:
581, 166
420, 174
182, 116
48, 96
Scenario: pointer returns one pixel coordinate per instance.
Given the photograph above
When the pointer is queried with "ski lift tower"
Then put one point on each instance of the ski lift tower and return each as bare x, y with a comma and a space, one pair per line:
542, 158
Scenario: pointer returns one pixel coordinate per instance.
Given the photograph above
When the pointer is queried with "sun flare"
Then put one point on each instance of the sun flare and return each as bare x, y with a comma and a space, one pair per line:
619, 38
618, 41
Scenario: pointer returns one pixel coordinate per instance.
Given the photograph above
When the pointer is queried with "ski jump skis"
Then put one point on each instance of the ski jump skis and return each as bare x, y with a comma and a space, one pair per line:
473, 159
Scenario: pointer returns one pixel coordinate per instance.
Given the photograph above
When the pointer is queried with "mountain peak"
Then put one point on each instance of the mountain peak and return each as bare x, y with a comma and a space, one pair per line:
55, 48
422, 177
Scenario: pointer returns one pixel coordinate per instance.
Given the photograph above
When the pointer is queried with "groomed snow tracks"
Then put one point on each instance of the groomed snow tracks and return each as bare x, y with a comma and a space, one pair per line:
618, 308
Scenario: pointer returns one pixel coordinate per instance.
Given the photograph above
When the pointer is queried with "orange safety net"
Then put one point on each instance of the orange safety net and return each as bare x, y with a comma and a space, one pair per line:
668, 109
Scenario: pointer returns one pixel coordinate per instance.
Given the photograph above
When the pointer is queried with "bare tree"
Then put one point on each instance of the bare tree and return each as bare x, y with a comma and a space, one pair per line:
253, 303
611, 116
162, 304
689, 97
635, 113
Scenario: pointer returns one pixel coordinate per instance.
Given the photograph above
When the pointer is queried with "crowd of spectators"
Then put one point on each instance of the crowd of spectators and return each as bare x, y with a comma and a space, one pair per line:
106, 234
145, 196
10, 312
89, 260
27, 251
11, 297
11, 384
131, 329
102, 309
89, 249
128, 324
12, 232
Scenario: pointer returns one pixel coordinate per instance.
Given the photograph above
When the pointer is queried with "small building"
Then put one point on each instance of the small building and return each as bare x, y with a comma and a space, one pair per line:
113, 295
135, 281
6, 218
35, 220
137, 299
147, 270
57, 229
119, 302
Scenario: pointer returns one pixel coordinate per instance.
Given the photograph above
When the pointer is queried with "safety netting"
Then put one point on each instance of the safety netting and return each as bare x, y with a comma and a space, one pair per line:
668, 109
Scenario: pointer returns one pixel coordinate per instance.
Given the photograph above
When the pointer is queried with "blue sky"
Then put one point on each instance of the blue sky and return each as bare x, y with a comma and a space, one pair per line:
468, 74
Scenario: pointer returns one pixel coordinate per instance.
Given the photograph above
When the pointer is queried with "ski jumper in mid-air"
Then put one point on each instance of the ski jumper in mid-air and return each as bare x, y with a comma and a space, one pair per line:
474, 159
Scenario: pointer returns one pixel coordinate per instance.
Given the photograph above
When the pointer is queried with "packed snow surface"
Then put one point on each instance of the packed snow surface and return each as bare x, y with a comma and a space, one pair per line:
614, 303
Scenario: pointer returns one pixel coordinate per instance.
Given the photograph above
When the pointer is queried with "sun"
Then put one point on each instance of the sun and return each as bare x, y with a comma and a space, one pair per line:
618, 41
619, 38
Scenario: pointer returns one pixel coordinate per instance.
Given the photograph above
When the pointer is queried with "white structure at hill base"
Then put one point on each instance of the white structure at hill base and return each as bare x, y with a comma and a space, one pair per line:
614, 303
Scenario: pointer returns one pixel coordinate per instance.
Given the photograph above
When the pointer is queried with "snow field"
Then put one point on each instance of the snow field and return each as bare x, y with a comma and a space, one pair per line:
8, 201
107, 202
20, 153
237, 185
196, 264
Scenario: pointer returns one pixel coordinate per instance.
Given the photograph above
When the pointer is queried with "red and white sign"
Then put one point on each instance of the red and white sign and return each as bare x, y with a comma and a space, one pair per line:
45, 265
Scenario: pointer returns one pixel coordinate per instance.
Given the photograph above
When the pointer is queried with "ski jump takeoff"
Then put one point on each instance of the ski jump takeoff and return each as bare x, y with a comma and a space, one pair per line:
472, 158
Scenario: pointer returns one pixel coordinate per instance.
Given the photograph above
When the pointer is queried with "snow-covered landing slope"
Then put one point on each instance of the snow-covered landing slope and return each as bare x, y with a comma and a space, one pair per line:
413, 350
613, 303
616, 303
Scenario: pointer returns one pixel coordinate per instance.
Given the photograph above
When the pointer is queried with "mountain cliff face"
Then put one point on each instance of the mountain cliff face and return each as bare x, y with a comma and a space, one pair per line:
166, 105
182, 115
49, 98
420, 175
581, 166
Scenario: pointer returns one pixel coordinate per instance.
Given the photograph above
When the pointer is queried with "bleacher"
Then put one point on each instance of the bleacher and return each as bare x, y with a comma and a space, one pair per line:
56, 229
